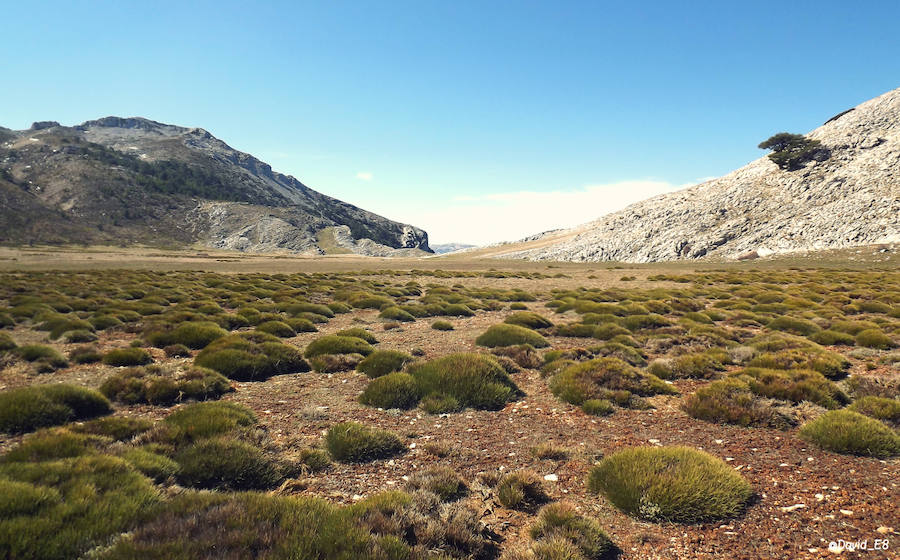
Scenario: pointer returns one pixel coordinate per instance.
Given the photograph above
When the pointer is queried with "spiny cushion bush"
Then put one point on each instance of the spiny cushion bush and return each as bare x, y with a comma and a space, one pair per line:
642, 322
101, 496
351, 442
832, 338
597, 407
250, 357
848, 432
154, 465
119, 428
225, 464
194, 335
830, 364
161, 385
608, 331
729, 401
697, 365
521, 490
439, 404
358, 332
39, 352
676, 484
472, 380
441, 325
394, 313
299, 325
21, 498
793, 325
206, 419
333, 344
28, 408
529, 320
795, 385
524, 355
510, 335
602, 378
127, 357
276, 328
331, 363
212, 526
440, 480
383, 362
394, 390
53, 443
7, 343
874, 338
298, 308
85, 355
562, 521
880, 408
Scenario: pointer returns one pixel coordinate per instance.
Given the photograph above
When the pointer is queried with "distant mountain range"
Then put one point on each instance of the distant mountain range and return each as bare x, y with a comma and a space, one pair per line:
441, 248
135, 181
851, 198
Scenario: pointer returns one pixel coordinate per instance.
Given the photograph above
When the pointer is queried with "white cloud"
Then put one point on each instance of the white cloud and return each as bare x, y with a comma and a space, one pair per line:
509, 216
364, 175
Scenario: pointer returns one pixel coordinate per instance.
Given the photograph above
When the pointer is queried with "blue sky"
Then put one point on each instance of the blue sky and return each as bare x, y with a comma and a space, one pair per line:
478, 121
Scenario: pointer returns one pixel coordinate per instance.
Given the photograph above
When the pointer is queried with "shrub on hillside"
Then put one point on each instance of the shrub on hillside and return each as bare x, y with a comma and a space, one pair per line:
874, 338
358, 332
251, 357
127, 357
832, 338
728, 401
675, 484
194, 335
848, 432
880, 408
793, 325
442, 481
351, 442
163, 386
28, 408
791, 151
441, 325
795, 386
153, 465
85, 355
225, 464
562, 521
7, 343
277, 328
472, 380
383, 362
206, 419
606, 378
119, 428
394, 313
521, 490
41, 354
510, 335
529, 320
333, 344
597, 407
394, 390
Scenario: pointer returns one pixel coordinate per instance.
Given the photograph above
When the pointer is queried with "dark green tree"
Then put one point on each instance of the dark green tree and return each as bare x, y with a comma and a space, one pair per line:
791, 151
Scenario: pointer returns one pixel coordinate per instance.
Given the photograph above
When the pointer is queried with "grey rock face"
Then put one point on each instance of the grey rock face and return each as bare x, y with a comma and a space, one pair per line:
105, 200
853, 198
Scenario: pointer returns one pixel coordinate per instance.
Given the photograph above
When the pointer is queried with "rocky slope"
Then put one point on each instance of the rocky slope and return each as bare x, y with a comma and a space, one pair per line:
852, 198
132, 180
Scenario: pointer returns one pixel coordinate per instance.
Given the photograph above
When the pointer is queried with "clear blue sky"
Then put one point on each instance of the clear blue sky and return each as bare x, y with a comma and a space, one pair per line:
446, 113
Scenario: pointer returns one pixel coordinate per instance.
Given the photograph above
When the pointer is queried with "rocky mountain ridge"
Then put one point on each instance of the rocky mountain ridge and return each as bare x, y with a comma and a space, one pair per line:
133, 180
850, 199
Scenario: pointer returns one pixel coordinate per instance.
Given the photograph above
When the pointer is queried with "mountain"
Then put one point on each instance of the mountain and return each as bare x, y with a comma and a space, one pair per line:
133, 180
850, 199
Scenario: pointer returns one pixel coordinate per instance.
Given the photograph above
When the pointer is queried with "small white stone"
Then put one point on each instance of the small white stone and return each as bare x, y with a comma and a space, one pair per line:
551, 477
846, 512
795, 507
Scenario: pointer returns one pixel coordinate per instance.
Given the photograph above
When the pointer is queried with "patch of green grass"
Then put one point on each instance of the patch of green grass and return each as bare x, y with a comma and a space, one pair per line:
28, 408
832, 338
441, 325
53, 443
206, 419
358, 332
521, 490
351, 442
333, 344
441, 480
119, 428
472, 380
793, 325
851, 433
880, 408
153, 465
529, 320
225, 464
101, 496
597, 407
440, 404
7, 343
674, 484
127, 357
562, 521
394, 390
394, 313
874, 338
510, 335
383, 362
39, 352
277, 328
251, 357
606, 378
194, 335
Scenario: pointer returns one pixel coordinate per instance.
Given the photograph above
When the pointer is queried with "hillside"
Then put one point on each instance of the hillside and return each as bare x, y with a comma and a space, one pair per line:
132, 180
850, 199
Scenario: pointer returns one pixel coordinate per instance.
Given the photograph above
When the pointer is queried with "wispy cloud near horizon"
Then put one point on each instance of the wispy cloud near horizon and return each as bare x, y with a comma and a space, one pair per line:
509, 216
364, 175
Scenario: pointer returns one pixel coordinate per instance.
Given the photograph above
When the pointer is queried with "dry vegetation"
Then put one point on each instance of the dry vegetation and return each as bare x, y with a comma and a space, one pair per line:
528, 412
